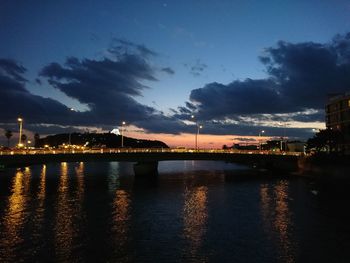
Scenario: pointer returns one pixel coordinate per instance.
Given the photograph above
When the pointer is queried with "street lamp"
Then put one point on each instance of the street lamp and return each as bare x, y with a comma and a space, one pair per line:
198, 128
70, 132
260, 133
284, 135
123, 123
20, 120
197, 131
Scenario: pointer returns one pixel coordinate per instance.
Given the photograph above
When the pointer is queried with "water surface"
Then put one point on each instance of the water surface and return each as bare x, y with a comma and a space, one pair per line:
193, 211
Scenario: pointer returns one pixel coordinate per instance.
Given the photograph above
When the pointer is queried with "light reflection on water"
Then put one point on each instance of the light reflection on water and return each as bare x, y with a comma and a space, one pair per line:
16, 214
195, 215
64, 217
284, 223
121, 225
192, 212
276, 214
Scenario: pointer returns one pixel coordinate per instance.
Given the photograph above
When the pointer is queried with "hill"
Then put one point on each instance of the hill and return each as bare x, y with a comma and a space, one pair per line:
108, 140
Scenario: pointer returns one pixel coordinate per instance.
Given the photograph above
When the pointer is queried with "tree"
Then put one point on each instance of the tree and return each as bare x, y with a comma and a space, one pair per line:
327, 140
8, 135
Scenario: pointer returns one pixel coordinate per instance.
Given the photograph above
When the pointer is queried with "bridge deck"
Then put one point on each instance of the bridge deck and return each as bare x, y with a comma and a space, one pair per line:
22, 158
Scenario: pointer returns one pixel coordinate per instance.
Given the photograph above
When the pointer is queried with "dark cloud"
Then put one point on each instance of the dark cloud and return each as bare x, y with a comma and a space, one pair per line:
16, 100
308, 72
168, 70
300, 78
196, 68
242, 139
11, 68
249, 129
122, 46
319, 115
38, 81
217, 100
190, 105
107, 86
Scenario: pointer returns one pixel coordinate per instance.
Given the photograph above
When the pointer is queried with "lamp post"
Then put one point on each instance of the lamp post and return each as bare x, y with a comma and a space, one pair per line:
70, 132
197, 131
20, 120
260, 133
196, 135
284, 138
198, 127
123, 123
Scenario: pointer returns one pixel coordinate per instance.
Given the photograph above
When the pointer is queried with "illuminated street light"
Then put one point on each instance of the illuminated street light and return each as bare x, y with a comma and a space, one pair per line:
260, 134
283, 138
198, 128
197, 131
20, 120
123, 123
70, 132
195, 137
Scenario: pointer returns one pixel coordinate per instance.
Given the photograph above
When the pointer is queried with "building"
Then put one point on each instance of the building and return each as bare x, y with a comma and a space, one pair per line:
115, 131
296, 146
338, 118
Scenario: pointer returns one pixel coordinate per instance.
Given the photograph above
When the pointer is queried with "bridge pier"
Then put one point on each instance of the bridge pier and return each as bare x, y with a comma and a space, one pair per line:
144, 168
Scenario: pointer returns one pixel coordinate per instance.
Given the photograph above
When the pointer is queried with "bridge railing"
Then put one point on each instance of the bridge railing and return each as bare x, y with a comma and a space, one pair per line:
139, 150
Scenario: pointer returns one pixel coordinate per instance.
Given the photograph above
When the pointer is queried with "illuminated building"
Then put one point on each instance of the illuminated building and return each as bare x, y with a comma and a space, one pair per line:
338, 117
115, 131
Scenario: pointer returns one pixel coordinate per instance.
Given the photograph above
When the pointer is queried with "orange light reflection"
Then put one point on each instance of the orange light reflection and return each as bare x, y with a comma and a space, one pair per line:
16, 215
195, 215
64, 221
121, 218
276, 219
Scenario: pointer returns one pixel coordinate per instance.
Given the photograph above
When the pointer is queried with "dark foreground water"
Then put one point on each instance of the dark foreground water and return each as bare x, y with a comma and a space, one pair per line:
192, 212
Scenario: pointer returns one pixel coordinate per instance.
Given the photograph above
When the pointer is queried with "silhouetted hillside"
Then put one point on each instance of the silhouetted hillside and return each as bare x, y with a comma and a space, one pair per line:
108, 140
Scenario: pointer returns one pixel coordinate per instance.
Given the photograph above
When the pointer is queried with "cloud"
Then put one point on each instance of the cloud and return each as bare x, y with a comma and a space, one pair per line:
308, 72
16, 100
38, 81
251, 129
217, 100
12, 69
197, 68
243, 139
107, 86
122, 46
168, 70
300, 77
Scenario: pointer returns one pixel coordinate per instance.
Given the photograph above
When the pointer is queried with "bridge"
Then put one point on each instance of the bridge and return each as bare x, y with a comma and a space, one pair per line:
146, 160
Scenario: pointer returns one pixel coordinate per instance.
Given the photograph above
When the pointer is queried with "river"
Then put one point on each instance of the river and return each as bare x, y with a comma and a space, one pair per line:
193, 211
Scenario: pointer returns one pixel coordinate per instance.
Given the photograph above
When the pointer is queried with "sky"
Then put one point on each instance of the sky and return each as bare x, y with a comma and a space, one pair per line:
239, 67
